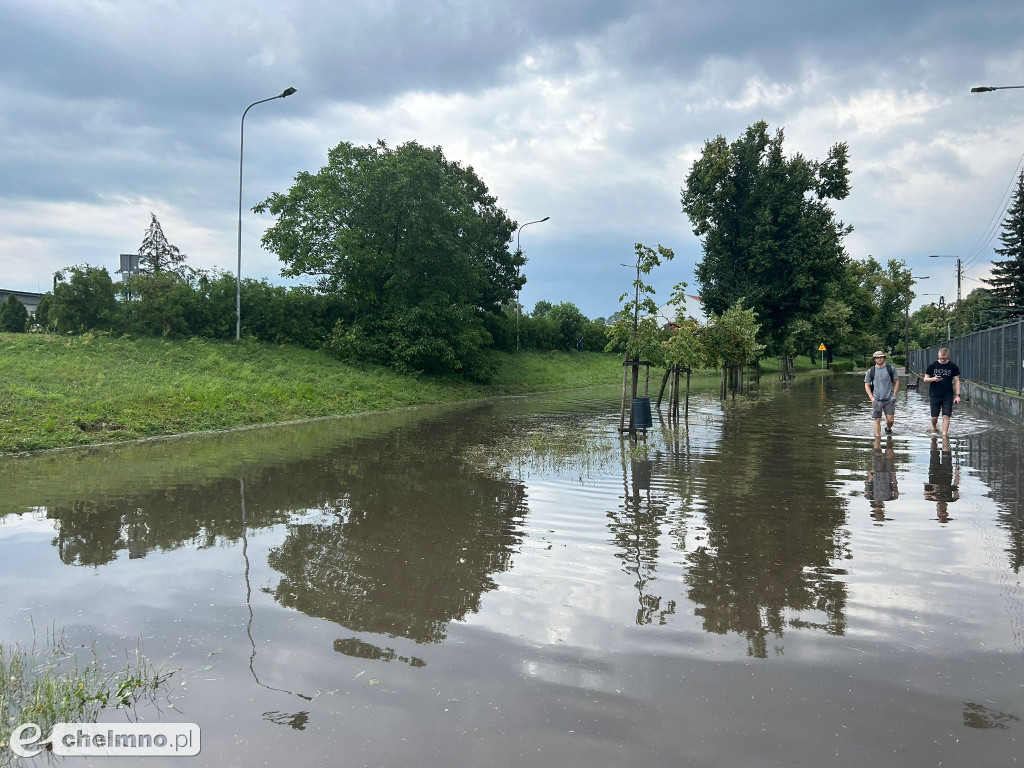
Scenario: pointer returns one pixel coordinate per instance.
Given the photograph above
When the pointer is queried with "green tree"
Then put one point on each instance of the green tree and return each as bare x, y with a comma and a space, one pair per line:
570, 322
414, 245
84, 300
768, 233
13, 315
928, 326
980, 309
831, 325
42, 315
160, 304
595, 335
893, 294
541, 308
1007, 278
859, 288
636, 330
157, 255
731, 338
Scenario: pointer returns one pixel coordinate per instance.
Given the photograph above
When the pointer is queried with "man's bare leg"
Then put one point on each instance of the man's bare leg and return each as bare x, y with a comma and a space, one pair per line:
935, 423
878, 427
889, 420
945, 425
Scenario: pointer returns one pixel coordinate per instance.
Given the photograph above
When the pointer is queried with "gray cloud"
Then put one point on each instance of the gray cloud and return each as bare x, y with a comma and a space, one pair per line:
587, 111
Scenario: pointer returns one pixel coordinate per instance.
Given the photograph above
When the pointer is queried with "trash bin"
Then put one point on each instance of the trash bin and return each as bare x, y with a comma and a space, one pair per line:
642, 413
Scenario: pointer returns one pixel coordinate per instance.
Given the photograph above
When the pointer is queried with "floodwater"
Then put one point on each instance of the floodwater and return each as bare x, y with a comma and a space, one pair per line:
508, 583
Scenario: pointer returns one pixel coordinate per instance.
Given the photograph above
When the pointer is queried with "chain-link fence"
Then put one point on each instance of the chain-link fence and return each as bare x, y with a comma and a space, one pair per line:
991, 357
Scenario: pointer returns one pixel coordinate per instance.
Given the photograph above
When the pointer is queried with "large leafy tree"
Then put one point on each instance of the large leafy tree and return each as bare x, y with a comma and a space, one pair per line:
1007, 278
157, 255
84, 300
412, 242
893, 295
569, 321
768, 233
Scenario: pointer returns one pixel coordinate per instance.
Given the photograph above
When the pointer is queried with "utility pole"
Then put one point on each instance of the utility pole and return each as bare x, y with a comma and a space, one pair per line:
959, 277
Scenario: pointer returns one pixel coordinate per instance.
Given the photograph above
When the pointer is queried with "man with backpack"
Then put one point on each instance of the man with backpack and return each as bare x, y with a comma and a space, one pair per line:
881, 382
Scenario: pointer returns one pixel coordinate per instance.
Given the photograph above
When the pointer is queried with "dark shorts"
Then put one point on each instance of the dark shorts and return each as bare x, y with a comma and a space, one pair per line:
944, 404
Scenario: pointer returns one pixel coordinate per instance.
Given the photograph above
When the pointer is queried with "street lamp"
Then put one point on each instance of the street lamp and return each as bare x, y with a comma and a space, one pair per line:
959, 275
519, 252
241, 154
987, 88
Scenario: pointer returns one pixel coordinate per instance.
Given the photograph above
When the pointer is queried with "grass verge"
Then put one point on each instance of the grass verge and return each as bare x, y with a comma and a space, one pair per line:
77, 390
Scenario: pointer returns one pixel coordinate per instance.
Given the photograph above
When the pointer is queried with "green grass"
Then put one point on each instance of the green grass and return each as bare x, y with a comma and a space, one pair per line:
804, 365
58, 391
78, 390
50, 684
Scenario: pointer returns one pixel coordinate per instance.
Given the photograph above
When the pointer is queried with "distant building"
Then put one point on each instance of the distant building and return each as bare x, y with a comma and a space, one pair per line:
29, 299
666, 314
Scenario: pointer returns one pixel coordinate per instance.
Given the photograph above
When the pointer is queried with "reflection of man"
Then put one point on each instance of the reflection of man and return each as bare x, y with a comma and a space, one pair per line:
942, 376
880, 485
943, 484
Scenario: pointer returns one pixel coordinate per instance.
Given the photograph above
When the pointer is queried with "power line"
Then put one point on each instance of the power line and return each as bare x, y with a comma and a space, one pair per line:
985, 241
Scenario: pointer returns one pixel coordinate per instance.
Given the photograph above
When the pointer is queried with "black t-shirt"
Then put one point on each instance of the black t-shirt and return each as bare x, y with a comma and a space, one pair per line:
945, 371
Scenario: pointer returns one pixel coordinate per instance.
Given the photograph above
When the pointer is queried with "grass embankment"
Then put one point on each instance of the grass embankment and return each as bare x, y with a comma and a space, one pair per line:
61, 391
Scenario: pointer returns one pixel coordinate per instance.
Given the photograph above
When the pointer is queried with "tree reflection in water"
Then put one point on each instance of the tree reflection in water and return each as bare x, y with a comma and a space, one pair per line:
408, 538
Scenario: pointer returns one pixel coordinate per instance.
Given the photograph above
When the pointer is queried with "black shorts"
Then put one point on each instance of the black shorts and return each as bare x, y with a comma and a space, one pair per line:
945, 404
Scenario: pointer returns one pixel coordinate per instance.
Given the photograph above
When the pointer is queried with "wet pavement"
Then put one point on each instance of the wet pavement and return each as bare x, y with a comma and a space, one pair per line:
508, 583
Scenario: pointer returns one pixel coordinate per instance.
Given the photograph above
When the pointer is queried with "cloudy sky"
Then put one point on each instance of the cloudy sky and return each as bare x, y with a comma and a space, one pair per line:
588, 112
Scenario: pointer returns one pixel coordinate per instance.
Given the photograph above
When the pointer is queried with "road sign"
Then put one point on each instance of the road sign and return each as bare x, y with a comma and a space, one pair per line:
821, 347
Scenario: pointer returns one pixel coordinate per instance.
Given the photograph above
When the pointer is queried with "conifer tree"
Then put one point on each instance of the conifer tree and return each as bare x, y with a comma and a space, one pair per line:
156, 255
1007, 279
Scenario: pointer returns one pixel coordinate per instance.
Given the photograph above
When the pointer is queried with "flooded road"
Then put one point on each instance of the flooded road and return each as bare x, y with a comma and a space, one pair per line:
507, 583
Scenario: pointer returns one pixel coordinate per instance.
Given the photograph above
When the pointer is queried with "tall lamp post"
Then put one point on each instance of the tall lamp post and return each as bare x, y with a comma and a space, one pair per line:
959, 276
519, 252
241, 154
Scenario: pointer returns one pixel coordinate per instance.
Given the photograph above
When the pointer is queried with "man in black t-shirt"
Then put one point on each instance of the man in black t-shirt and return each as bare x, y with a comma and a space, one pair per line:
943, 376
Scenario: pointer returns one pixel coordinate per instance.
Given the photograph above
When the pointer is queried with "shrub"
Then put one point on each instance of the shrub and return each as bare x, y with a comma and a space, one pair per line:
13, 315
85, 301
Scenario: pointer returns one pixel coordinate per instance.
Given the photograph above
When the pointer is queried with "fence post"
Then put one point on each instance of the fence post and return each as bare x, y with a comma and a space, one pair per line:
1020, 363
1002, 359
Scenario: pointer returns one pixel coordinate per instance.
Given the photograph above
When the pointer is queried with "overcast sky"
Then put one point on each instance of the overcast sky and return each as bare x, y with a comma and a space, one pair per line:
588, 112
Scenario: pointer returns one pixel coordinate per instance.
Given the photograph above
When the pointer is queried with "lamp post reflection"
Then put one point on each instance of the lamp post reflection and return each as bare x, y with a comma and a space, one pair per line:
298, 717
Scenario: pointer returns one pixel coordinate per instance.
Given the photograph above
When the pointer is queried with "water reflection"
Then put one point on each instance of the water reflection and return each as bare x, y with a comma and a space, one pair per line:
943, 486
881, 484
407, 538
636, 529
998, 458
774, 542
510, 576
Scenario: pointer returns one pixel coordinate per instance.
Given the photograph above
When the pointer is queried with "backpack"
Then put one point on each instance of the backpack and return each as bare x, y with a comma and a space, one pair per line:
888, 369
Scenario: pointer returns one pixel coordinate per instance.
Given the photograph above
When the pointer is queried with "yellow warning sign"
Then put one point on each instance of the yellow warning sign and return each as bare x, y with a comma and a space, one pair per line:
821, 347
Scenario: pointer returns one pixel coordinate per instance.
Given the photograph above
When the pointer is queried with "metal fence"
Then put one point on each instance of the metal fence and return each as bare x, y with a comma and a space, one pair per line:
991, 357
